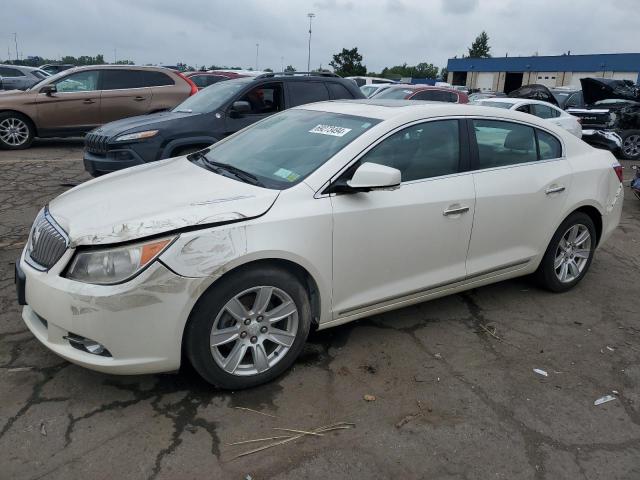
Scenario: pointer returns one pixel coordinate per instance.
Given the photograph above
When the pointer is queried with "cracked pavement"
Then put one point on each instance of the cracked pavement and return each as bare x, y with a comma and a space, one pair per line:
456, 395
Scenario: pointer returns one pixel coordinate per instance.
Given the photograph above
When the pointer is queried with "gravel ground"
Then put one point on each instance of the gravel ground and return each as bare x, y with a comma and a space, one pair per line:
456, 396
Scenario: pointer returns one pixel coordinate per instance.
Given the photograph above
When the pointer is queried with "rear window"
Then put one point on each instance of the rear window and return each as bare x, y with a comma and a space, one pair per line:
395, 94
307, 92
338, 91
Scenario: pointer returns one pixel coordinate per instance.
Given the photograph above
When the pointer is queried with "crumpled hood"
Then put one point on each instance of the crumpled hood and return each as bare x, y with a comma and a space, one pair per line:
596, 89
152, 199
535, 91
140, 123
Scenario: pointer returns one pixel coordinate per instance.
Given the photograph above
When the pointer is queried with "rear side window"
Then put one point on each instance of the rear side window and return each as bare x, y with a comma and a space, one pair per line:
121, 79
544, 111
307, 92
548, 145
200, 80
504, 143
10, 72
155, 79
338, 91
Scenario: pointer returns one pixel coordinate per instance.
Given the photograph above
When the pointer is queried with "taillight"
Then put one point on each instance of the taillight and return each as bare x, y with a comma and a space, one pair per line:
618, 169
194, 87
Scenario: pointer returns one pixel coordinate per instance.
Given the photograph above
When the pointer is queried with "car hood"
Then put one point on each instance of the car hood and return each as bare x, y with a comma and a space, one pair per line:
140, 123
152, 199
596, 89
534, 92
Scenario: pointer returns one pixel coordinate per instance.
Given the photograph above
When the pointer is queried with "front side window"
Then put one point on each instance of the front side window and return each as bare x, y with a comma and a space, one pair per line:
543, 111
85, 81
10, 72
524, 108
504, 143
265, 99
116, 79
426, 150
307, 92
283, 149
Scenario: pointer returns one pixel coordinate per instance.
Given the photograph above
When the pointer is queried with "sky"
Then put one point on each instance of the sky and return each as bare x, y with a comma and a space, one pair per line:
386, 32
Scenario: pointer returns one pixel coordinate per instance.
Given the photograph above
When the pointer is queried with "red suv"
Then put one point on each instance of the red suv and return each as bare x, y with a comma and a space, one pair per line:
423, 92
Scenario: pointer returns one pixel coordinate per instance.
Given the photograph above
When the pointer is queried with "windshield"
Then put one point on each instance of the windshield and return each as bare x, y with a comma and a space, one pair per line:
493, 104
283, 149
213, 97
394, 93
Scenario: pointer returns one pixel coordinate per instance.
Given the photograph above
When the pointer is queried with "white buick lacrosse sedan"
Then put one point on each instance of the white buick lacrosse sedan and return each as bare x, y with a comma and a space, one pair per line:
311, 218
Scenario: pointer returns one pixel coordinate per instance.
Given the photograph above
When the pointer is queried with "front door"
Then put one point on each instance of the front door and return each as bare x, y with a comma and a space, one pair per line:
389, 244
520, 194
74, 107
264, 100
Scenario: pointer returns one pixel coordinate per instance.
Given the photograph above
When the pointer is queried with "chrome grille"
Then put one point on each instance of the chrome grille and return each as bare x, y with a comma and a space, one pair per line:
47, 242
96, 143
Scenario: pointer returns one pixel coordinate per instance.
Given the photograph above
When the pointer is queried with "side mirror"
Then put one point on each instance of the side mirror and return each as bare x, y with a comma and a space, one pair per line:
373, 176
49, 90
239, 108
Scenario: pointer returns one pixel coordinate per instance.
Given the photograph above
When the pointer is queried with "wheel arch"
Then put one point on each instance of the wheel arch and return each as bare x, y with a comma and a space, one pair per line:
22, 114
175, 145
595, 215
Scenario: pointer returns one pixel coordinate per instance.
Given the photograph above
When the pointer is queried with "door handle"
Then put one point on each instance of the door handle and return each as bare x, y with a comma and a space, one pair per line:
556, 189
455, 210
88, 101
139, 98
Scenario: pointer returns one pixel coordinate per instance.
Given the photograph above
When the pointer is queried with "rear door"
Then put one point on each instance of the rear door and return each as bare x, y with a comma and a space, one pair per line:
302, 92
123, 94
522, 181
74, 107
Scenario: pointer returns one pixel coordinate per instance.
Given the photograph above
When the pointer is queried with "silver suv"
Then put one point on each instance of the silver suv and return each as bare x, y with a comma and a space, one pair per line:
17, 77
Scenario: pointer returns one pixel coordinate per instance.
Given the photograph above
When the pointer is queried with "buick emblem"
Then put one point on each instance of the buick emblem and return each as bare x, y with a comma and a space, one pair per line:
37, 230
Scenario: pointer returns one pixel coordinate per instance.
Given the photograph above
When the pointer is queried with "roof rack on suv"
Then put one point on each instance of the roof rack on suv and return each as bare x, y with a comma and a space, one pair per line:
317, 74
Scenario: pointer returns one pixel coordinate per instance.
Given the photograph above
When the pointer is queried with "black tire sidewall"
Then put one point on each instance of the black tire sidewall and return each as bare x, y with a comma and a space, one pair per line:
27, 144
202, 316
545, 274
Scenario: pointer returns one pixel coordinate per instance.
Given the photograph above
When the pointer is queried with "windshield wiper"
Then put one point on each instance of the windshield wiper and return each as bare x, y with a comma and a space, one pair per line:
237, 172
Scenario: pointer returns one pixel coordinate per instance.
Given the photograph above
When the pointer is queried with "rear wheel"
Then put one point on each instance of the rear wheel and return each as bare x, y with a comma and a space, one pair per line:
631, 144
569, 254
16, 131
249, 328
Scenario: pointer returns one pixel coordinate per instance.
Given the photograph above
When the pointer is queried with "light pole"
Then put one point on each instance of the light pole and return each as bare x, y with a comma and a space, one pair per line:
257, 51
282, 64
310, 15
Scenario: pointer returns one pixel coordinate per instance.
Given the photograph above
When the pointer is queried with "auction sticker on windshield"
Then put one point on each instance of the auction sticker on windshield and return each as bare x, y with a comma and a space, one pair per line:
287, 174
330, 130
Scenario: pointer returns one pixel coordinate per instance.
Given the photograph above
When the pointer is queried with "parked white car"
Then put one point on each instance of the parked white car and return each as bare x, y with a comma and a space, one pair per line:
360, 81
540, 109
371, 89
311, 218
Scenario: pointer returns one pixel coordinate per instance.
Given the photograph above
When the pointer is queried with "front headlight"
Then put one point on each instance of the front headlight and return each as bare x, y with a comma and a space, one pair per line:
137, 135
114, 265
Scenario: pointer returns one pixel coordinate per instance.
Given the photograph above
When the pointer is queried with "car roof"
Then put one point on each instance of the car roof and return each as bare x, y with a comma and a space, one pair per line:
410, 110
420, 87
515, 101
123, 67
19, 67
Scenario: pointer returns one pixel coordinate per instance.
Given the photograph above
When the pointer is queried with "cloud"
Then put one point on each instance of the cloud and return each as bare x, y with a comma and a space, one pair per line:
459, 6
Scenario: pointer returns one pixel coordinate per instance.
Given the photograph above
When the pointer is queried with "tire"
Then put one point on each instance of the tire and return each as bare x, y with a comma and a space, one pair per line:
631, 144
559, 253
225, 305
16, 131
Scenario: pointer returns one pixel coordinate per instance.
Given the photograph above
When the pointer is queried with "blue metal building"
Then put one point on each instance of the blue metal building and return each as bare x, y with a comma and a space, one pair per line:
508, 73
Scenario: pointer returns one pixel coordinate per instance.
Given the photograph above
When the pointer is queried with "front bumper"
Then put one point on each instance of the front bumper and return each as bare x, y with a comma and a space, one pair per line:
99, 164
140, 322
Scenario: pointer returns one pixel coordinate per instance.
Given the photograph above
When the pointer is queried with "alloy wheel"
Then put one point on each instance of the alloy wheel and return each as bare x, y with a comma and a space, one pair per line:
631, 146
254, 331
573, 253
14, 131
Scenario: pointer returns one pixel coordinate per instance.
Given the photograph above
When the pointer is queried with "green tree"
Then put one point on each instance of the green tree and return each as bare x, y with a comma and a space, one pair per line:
348, 63
425, 70
444, 73
290, 68
480, 47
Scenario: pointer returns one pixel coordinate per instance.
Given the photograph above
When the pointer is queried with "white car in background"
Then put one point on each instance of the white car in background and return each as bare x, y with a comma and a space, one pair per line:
371, 90
311, 218
360, 81
540, 109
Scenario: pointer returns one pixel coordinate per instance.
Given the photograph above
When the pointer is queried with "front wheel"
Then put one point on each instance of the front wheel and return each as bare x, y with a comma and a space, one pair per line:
631, 144
248, 328
569, 254
16, 131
